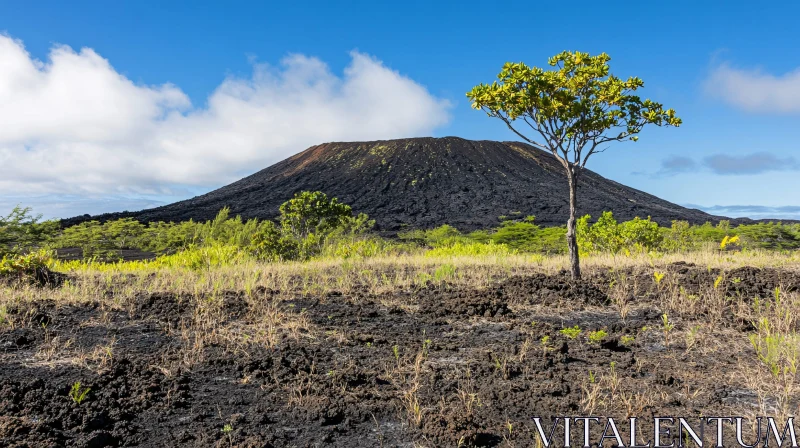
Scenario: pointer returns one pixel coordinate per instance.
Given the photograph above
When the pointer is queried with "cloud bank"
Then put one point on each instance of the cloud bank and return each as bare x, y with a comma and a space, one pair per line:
755, 91
755, 163
675, 165
72, 125
725, 164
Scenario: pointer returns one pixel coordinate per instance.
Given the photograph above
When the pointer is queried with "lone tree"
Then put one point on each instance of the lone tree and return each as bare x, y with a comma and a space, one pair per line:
573, 111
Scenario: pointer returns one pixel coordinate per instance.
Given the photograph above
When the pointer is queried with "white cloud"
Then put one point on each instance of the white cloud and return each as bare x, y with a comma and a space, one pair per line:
73, 125
754, 90
753, 163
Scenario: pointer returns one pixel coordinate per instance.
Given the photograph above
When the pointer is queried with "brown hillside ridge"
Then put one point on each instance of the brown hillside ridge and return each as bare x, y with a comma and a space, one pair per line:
424, 183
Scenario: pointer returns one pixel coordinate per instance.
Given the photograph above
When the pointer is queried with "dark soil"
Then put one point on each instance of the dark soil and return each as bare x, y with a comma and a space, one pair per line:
552, 290
424, 183
482, 361
37, 276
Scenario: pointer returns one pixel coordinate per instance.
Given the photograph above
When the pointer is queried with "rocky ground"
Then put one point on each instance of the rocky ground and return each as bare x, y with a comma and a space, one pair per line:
437, 366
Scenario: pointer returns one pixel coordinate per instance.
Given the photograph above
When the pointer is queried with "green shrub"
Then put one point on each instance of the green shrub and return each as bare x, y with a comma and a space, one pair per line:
21, 232
775, 236
312, 213
679, 237
270, 244
606, 235
29, 267
602, 236
441, 236
596, 337
312, 225
307, 222
480, 236
312, 220
550, 240
471, 249
571, 333
103, 241
711, 233
364, 247
518, 235
641, 235
163, 237
205, 257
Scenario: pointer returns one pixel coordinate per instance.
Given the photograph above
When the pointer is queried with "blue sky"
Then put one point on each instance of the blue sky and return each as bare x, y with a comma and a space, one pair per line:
168, 101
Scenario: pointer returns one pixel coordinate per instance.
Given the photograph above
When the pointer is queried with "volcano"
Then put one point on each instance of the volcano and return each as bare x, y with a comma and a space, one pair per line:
424, 183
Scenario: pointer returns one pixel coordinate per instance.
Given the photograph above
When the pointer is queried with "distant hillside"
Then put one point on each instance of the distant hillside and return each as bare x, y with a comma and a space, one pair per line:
423, 183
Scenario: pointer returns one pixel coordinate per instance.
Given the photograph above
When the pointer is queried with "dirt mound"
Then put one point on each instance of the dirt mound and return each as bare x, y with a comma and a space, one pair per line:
550, 290
463, 303
747, 281
423, 183
39, 276
162, 306
537, 289
114, 398
755, 282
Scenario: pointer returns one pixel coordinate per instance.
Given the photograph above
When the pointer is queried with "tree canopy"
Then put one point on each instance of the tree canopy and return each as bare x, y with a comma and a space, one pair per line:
573, 109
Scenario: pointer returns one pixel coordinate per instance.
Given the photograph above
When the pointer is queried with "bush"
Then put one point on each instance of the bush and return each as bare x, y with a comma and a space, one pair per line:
775, 236
310, 213
606, 235
104, 241
28, 268
167, 238
444, 235
226, 230
307, 223
311, 224
270, 244
525, 236
471, 249
602, 236
205, 257
21, 232
711, 233
641, 235
679, 237
550, 240
364, 247
518, 235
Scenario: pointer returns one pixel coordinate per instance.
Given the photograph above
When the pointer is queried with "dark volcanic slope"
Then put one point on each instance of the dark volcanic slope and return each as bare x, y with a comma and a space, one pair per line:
425, 182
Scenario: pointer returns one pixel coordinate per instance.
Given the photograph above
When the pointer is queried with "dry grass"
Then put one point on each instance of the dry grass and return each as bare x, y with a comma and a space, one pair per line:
124, 281
120, 287
695, 325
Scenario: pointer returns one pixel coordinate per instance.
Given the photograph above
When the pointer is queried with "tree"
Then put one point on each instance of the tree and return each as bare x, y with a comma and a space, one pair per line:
571, 111
269, 243
309, 213
312, 218
21, 232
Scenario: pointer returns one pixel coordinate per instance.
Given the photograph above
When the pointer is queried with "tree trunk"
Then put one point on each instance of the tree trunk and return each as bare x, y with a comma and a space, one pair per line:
572, 237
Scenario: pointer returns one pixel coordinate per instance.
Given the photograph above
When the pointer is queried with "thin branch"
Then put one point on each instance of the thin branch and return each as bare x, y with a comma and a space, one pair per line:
533, 143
